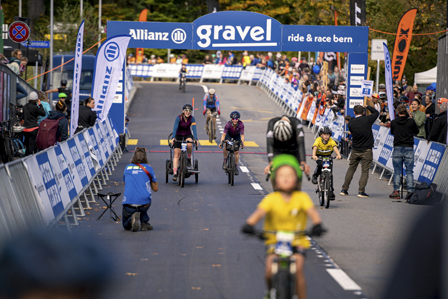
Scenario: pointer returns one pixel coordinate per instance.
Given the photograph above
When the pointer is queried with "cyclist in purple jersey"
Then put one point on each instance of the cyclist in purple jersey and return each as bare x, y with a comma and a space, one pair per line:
183, 126
233, 129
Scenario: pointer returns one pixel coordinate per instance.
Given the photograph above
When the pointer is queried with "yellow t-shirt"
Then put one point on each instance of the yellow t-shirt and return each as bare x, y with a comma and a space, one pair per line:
290, 216
324, 149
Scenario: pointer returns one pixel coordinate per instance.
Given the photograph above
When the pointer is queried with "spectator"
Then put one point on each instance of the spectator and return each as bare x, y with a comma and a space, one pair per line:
254, 60
59, 114
87, 116
184, 59
382, 88
419, 117
207, 60
375, 103
404, 83
44, 101
63, 89
139, 180
145, 59
63, 98
303, 65
173, 59
438, 131
31, 111
159, 60
338, 78
430, 112
403, 128
179, 60
411, 94
153, 60
246, 59
131, 59
213, 59
262, 64
361, 129
311, 63
3, 59
15, 65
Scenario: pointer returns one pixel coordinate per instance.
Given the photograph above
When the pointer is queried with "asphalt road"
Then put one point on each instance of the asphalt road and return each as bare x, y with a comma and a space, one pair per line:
196, 249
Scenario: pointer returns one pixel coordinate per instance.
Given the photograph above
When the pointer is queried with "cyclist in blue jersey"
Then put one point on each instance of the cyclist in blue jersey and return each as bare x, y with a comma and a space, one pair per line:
233, 129
183, 126
211, 105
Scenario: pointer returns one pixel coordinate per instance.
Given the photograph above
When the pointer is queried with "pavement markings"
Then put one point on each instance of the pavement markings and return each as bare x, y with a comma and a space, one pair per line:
244, 169
163, 142
256, 186
134, 141
201, 142
344, 280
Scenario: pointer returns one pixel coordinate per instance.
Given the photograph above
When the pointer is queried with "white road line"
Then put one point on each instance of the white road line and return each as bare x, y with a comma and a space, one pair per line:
205, 88
256, 186
244, 169
344, 280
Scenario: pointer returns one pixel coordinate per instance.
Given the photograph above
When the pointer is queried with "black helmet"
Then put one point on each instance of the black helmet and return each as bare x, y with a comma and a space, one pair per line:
325, 130
64, 82
235, 115
187, 106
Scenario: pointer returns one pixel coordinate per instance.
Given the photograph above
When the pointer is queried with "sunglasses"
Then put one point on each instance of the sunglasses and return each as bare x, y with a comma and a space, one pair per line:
187, 110
234, 118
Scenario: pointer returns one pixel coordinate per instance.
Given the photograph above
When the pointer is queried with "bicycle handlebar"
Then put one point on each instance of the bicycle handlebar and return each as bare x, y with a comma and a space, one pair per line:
260, 233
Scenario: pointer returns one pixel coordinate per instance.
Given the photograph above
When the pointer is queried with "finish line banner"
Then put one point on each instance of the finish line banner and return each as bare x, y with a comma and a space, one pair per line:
241, 30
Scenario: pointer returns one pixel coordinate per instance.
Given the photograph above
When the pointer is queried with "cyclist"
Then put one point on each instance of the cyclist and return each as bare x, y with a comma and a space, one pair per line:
233, 129
324, 146
211, 105
183, 70
287, 208
285, 136
183, 125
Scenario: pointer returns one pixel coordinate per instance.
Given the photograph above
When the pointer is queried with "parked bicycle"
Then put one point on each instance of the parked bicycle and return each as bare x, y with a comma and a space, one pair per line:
324, 182
211, 132
232, 146
184, 170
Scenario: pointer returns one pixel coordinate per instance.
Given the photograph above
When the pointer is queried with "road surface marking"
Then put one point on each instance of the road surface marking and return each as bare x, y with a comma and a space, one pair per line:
256, 186
207, 143
163, 142
132, 141
250, 144
244, 169
344, 280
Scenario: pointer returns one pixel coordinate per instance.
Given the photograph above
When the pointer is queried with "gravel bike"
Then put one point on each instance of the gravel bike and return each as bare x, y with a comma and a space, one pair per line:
232, 146
211, 132
323, 189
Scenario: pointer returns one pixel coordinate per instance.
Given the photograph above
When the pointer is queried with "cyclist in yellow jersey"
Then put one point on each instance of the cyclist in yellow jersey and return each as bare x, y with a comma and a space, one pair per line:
286, 209
323, 146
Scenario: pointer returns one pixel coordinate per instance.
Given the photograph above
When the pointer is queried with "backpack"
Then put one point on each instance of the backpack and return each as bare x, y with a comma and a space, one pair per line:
46, 136
424, 194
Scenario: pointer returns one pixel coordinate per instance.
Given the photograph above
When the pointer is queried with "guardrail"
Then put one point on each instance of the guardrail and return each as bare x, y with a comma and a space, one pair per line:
59, 182
430, 158
198, 71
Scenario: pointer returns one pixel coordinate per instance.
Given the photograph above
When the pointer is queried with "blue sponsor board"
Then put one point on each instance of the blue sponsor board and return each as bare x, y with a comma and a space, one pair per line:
325, 38
431, 164
153, 34
53, 191
77, 159
86, 153
95, 146
357, 71
66, 175
386, 151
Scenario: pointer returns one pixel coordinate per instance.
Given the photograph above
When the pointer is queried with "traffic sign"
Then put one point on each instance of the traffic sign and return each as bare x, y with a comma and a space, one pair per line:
37, 44
19, 32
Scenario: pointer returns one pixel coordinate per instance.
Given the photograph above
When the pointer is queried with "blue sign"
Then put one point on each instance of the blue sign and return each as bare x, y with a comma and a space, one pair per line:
357, 72
65, 173
325, 38
237, 30
95, 146
153, 34
77, 159
431, 164
43, 44
85, 152
387, 149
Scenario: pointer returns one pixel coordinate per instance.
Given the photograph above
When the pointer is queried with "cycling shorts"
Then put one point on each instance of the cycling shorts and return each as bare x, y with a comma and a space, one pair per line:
235, 137
271, 247
178, 144
212, 110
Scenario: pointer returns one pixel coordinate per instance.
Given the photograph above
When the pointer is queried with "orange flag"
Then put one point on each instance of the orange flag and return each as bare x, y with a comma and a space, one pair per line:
139, 51
402, 43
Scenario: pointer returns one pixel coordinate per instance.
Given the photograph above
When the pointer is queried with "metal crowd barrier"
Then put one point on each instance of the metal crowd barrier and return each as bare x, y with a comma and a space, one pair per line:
59, 183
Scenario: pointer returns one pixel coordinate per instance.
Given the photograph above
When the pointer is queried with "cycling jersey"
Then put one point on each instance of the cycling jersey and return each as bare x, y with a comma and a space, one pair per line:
238, 130
290, 216
211, 103
324, 149
183, 128
294, 146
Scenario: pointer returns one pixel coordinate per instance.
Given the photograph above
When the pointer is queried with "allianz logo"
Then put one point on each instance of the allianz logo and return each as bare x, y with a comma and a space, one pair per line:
178, 35
225, 34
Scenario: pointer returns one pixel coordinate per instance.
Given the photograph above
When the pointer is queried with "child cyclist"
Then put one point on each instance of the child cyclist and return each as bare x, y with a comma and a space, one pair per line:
287, 208
324, 146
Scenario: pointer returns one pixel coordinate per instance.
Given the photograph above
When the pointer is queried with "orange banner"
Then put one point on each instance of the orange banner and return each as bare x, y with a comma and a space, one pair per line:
402, 43
308, 102
139, 51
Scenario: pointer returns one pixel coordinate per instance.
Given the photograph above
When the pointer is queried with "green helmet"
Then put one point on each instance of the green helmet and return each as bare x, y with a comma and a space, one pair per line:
62, 95
285, 159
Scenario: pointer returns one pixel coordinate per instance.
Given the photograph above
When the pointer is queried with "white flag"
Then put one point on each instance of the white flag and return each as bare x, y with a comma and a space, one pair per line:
76, 79
108, 66
389, 84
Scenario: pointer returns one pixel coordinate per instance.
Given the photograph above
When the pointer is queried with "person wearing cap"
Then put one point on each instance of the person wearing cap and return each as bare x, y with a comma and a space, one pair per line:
246, 59
430, 92
31, 111
438, 131
65, 90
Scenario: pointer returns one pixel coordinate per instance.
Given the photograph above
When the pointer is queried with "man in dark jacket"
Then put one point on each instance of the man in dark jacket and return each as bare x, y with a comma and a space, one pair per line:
87, 116
361, 129
438, 131
403, 128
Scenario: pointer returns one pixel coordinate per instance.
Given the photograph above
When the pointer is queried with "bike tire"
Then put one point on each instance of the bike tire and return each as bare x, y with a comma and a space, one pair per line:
196, 175
183, 87
320, 194
184, 170
167, 170
284, 284
232, 169
210, 129
327, 191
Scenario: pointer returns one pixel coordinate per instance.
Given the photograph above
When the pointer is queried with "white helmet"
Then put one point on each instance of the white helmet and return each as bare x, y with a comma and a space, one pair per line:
211, 91
282, 130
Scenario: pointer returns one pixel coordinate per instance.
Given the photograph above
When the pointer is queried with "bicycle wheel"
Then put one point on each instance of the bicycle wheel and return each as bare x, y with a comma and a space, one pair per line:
326, 191
184, 170
320, 187
196, 175
210, 129
282, 286
167, 170
232, 169
183, 87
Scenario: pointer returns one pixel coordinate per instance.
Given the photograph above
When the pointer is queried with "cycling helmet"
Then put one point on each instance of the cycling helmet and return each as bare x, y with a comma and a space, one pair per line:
442, 100
64, 82
285, 159
187, 106
235, 115
375, 95
282, 130
325, 130
211, 91
62, 95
